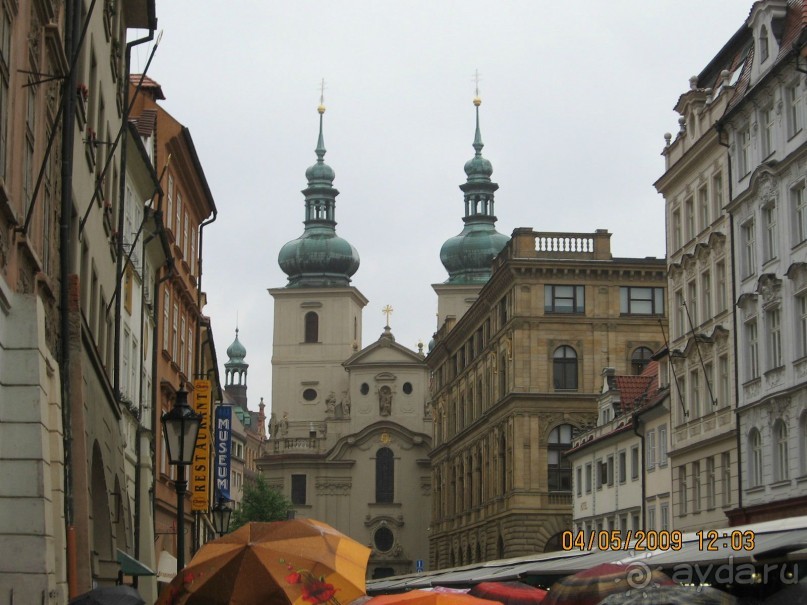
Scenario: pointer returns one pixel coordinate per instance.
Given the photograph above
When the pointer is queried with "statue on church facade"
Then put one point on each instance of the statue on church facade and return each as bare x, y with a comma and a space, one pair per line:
284, 424
385, 401
330, 403
273, 425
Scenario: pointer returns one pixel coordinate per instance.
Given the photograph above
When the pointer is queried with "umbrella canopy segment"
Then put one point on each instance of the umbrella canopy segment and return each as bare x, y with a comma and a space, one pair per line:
591, 586
301, 561
428, 597
671, 595
110, 595
509, 593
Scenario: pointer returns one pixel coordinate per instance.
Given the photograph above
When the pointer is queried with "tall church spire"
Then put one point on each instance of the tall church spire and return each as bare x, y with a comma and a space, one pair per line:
236, 372
319, 257
468, 256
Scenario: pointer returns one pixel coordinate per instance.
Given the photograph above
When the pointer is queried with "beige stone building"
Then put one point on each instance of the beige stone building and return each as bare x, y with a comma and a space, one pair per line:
518, 376
349, 429
695, 186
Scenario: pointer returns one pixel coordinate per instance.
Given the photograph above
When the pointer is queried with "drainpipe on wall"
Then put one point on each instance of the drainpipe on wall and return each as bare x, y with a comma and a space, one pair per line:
72, 25
642, 470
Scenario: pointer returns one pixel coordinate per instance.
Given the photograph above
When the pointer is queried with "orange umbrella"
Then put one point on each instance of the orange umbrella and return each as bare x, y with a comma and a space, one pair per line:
428, 597
296, 562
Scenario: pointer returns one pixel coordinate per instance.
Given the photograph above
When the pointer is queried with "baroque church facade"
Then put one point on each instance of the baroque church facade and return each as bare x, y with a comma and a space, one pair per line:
350, 428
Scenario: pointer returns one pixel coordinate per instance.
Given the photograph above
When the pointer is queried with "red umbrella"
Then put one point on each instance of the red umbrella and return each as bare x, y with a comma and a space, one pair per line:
591, 586
509, 593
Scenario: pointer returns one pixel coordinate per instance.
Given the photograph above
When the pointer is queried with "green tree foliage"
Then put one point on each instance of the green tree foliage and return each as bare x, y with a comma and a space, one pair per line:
261, 502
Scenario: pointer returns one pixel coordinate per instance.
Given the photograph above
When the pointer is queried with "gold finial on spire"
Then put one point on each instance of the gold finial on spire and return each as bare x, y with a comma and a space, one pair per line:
477, 99
321, 108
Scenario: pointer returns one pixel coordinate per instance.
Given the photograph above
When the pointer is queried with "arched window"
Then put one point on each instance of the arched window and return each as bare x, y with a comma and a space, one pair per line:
565, 369
559, 471
384, 476
311, 327
640, 359
780, 457
755, 458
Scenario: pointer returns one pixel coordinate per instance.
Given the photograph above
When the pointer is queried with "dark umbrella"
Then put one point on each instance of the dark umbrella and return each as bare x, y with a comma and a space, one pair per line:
671, 595
110, 595
795, 594
591, 586
509, 593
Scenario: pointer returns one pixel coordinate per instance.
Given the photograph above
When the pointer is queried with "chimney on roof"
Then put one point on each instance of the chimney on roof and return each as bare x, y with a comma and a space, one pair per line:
609, 379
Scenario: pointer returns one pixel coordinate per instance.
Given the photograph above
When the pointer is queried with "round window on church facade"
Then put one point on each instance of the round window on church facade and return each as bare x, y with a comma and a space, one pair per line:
383, 539
365, 388
407, 388
309, 394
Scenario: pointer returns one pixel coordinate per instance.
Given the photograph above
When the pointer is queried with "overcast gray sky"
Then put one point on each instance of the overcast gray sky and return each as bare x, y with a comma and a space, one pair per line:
576, 98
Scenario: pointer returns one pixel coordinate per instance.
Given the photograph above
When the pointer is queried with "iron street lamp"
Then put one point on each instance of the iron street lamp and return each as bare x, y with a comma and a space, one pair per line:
180, 429
221, 517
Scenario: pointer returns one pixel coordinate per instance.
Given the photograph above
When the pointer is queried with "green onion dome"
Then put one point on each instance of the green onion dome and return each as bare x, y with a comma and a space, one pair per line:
468, 257
319, 257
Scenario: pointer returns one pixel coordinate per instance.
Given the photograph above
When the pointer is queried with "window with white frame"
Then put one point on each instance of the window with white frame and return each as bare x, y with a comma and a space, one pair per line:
680, 314
124, 387
725, 468
799, 203
696, 487
755, 458
169, 210
664, 511
764, 50
801, 310
185, 238
174, 335
722, 286
717, 195
676, 226
774, 338
752, 350
706, 295
189, 361
166, 318
588, 477
771, 232
610, 467
780, 457
650, 441
579, 478
703, 207
710, 482
623, 466
694, 395
723, 391
682, 399
692, 303
689, 218
708, 387
683, 491
662, 445
634, 462
181, 359
651, 517
178, 224
749, 248
793, 107
803, 444
744, 151
767, 118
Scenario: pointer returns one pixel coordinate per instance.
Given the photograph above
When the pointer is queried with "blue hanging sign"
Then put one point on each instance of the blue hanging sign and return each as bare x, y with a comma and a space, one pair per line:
224, 427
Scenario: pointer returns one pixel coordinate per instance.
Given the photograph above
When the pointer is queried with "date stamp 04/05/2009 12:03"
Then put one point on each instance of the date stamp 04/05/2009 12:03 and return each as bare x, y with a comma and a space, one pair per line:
707, 540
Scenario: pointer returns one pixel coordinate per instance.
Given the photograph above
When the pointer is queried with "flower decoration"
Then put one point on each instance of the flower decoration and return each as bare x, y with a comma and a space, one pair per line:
315, 590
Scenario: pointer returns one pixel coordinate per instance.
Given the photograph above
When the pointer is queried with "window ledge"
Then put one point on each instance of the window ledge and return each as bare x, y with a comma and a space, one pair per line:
781, 483
757, 489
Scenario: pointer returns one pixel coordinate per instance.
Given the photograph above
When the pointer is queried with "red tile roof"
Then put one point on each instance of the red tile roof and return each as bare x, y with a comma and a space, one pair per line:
636, 391
146, 122
148, 84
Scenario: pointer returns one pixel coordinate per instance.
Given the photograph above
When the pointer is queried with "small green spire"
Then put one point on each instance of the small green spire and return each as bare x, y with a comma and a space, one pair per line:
478, 144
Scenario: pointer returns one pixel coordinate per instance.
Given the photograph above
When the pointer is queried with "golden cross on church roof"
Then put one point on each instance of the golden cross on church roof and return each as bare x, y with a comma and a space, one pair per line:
387, 311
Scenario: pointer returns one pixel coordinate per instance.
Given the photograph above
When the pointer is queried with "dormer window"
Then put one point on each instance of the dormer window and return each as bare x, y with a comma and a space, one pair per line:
764, 50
